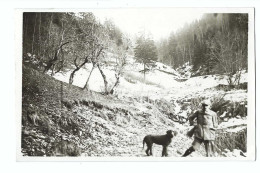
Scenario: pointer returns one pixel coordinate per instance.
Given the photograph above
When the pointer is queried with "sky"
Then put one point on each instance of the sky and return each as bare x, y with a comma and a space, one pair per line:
156, 22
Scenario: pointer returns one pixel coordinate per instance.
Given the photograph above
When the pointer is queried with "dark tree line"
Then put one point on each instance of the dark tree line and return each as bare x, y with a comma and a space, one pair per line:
60, 42
217, 43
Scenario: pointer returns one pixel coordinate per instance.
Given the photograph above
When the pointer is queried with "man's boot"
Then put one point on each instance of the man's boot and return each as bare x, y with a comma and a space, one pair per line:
188, 152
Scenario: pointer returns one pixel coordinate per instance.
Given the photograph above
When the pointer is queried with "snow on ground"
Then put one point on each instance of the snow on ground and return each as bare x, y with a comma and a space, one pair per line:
234, 153
171, 89
185, 70
163, 79
234, 122
157, 84
96, 82
138, 89
203, 82
166, 68
236, 95
160, 84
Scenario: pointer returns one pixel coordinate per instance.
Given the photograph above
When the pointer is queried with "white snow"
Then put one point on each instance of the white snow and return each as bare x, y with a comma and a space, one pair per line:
241, 123
236, 95
160, 83
234, 153
96, 82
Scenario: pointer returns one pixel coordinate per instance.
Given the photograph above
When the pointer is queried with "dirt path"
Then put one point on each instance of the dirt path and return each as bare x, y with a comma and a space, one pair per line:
131, 144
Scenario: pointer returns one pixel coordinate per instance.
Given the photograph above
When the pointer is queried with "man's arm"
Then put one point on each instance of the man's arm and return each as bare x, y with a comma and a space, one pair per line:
192, 117
215, 120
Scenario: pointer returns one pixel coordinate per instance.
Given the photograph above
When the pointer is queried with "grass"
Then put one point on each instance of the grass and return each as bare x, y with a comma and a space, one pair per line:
52, 110
47, 111
65, 148
232, 141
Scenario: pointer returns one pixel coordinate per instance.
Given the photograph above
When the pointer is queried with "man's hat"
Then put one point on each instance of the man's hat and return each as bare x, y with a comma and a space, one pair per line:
205, 103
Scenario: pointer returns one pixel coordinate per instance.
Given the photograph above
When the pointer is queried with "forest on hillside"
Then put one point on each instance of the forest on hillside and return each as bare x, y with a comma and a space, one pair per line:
215, 44
59, 42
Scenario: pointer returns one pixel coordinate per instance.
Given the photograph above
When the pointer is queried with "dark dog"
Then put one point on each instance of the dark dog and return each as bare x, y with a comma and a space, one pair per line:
163, 140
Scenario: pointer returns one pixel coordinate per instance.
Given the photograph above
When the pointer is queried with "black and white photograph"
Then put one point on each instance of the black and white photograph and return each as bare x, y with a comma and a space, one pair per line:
136, 84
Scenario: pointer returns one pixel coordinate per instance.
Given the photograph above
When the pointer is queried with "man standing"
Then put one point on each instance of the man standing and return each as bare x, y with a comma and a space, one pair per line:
205, 129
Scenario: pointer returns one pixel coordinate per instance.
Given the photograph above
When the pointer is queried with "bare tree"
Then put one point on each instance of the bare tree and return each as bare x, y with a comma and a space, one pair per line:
121, 55
226, 59
78, 67
87, 46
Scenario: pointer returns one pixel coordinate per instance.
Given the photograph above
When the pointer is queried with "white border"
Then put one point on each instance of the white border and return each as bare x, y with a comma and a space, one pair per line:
251, 93
251, 125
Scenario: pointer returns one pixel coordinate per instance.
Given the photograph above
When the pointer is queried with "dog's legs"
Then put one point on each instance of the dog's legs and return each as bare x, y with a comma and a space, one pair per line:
151, 149
164, 151
146, 151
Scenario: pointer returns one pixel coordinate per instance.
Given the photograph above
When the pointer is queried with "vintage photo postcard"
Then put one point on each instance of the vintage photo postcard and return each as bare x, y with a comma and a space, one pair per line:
135, 84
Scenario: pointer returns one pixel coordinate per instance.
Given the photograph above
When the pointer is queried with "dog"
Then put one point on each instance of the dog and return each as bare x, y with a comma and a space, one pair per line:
163, 140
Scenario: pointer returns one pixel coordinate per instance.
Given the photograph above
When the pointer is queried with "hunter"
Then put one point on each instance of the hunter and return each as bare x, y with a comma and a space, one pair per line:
204, 131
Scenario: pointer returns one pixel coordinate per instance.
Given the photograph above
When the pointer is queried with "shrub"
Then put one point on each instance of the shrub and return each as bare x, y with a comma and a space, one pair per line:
232, 109
164, 106
218, 103
185, 106
85, 102
46, 125
242, 86
65, 148
232, 140
223, 87
67, 103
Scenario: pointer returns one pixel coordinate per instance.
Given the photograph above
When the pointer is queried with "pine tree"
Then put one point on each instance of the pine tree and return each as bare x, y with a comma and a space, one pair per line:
145, 52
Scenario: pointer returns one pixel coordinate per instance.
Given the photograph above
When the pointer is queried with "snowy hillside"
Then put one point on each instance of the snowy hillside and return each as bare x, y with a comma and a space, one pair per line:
163, 101
161, 81
163, 84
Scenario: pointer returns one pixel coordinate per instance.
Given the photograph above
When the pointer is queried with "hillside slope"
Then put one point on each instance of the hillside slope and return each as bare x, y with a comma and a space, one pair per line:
87, 123
60, 119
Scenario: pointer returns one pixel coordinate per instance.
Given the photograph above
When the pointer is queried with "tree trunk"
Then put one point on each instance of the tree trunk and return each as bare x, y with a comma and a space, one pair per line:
116, 84
77, 69
86, 85
39, 49
144, 71
51, 62
104, 78
34, 33
50, 28
190, 55
72, 75
25, 31
183, 56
